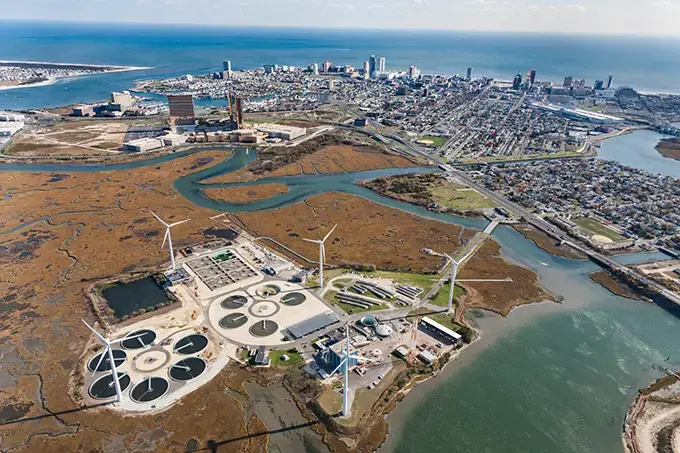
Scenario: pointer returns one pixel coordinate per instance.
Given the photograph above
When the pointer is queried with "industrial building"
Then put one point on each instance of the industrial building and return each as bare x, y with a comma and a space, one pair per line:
9, 128
246, 136
440, 330
282, 132
173, 139
335, 354
7, 116
83, 110
143, 144
120, 101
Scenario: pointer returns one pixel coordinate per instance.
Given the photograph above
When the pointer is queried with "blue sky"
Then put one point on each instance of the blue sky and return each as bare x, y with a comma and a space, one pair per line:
568, 16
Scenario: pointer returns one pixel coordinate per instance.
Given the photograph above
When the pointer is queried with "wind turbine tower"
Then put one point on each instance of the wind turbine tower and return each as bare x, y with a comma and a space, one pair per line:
345, 378
454, 270
108, 351
322, 254
168, 237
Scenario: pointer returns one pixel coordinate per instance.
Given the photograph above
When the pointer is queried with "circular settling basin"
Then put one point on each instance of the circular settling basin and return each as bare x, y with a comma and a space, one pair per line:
97, 364
234, 302
368, 321
151, 360
139, 339
104, 387
268, 291
263, 328
191, 344
293, 299
187, 369
149, 389
264, 309
233, 321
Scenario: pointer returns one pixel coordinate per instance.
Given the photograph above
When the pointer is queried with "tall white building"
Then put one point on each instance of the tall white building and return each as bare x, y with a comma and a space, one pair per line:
315, 69
367, 68
413, 72
226, 65
381, 64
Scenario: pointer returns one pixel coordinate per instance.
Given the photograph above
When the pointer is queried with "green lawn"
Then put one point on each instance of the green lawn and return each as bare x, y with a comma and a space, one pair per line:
456, 196
596, 227
441, 298
436, 140
293, 358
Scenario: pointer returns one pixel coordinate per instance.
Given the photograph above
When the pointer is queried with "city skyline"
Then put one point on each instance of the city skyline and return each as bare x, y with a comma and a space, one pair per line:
547, 16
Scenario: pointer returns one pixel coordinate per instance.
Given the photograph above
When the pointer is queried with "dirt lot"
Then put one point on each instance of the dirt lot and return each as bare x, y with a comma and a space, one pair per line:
669, 147
245, 194
389, 239
499, 297
71, 138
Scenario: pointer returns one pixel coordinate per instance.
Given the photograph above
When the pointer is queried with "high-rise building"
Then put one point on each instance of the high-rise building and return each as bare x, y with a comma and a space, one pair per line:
226, 65
315, 69
413, 72
371, 65
122, 100
609, 81
531, 76
367, 68
327, 66
599, 84
331, 85
517, 82
381, 64
469, 74
181, 106
567, 81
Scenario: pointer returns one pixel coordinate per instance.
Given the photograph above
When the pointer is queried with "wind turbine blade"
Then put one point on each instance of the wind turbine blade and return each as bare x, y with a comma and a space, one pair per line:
315, 241
165, 238
101, 359
330, 232
323, 252
103, 340
127, 338
158, 218
342, 362
178, 223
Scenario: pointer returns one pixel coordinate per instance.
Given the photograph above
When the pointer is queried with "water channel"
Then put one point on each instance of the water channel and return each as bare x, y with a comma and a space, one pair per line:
549, 378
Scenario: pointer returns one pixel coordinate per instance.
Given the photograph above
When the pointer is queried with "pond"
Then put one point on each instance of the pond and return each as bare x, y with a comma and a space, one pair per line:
127, 298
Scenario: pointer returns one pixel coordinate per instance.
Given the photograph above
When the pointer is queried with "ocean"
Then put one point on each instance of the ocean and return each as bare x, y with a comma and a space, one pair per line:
645, 63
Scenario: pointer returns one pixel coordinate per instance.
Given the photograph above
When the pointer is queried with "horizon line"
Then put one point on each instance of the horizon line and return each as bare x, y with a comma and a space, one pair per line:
341, 28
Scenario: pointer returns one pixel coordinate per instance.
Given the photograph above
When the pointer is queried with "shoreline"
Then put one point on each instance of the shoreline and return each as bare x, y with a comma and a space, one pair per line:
53, 80
669, 152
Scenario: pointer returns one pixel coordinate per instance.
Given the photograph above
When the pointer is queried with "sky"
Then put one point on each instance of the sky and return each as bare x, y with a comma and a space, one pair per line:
646, 17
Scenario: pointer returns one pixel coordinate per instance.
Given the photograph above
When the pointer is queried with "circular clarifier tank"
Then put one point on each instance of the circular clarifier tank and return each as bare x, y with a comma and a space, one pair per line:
293, 299
233, 321
139, 339
119, 357
149, 389
268, 291
263, 328
191, 344
234, 302
368, 321
187, 369
104, 387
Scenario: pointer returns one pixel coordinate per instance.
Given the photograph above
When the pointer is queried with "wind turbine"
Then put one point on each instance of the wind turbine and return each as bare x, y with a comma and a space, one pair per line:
345, 378
168, 237
108, 351
454, 269
322, 254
